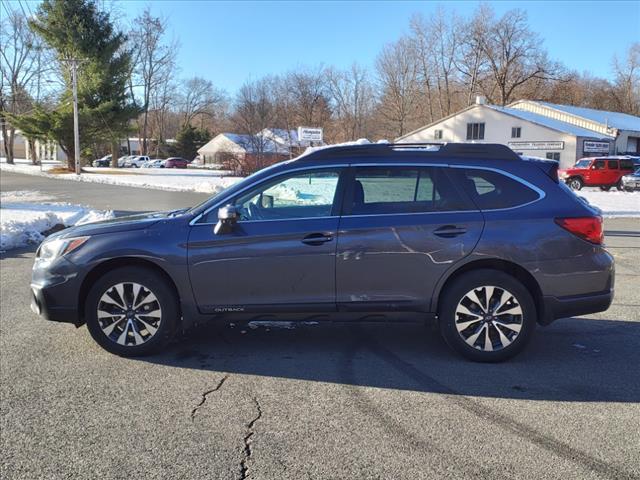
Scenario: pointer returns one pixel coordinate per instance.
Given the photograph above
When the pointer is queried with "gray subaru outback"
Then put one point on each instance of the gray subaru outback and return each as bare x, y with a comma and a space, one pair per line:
471, 236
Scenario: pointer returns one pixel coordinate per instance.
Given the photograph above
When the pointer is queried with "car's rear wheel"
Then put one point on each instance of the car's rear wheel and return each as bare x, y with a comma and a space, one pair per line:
487, 316
131, 311
575, 183
605, 188
620, 185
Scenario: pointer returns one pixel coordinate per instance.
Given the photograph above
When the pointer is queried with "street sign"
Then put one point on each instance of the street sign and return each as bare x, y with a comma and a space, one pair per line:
309, 134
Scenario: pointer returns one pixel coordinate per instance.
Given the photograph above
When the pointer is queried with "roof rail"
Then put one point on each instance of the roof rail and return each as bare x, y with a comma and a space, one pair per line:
485, 150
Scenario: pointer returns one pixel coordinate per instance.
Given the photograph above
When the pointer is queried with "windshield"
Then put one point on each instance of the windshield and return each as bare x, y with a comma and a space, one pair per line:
582, 163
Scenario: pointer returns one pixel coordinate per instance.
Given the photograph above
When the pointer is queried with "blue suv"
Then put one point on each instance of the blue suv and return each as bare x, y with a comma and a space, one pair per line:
471, 236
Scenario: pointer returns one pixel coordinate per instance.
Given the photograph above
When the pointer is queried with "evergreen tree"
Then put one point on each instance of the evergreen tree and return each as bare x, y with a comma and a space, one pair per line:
189, 140
78, 29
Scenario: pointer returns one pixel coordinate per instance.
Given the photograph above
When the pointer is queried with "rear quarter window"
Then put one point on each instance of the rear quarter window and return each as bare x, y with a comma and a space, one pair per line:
494, 190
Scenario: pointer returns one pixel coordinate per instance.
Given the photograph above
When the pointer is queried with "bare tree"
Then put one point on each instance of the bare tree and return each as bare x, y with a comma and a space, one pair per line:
514, 56
199, 97
352, 95
154, 64
470, 60
626, 90
21, 73
398, 81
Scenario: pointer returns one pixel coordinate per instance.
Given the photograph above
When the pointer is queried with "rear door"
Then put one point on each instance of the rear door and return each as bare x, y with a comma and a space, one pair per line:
402, 227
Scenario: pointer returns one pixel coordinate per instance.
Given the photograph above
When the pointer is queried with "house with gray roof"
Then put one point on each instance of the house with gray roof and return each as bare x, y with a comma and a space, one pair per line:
540, 129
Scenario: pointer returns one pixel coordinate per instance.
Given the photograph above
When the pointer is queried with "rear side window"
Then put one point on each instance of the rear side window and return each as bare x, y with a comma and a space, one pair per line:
626, 164
383, 190
492, 190
613, 164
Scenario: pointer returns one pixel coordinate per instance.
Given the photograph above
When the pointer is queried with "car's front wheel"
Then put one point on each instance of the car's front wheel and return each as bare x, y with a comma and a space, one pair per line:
487, 316
575, 183
131, 311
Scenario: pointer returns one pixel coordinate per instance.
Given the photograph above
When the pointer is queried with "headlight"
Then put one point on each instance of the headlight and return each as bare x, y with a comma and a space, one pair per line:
51, 249
563, 175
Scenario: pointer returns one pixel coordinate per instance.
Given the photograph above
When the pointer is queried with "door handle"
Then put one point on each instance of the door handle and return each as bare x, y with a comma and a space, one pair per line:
449, 231
317, 239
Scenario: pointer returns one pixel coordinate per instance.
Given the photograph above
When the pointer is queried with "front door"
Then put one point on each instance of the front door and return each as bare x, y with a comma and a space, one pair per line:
402, 228
280, 255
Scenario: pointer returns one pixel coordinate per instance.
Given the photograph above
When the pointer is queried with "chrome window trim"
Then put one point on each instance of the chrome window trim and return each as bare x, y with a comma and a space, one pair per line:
541, 193
248, 187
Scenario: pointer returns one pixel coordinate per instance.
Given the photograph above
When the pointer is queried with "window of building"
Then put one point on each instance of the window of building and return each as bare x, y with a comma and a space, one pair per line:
382, 190
515, 132
491, 190
437, 134
475, 131
553, 156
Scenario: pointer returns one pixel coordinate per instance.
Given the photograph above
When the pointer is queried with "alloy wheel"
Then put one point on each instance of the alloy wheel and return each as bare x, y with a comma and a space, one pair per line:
129, 314
489, 318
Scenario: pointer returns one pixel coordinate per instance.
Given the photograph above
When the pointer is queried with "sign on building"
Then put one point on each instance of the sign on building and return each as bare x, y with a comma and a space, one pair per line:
536, 145
309, 134
595, 147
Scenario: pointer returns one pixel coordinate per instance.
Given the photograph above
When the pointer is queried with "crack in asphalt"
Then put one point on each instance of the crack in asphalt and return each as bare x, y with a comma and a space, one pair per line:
244, 467
206, 394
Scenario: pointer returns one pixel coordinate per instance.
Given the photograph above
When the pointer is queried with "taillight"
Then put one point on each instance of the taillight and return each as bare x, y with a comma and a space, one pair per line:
587, 228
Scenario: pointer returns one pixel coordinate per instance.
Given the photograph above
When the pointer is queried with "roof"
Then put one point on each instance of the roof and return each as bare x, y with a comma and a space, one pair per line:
249, 143
551, 123
621, 121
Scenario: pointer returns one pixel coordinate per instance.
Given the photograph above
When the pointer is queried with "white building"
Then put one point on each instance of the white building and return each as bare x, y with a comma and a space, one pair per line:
45, 150
226, 145
540, 129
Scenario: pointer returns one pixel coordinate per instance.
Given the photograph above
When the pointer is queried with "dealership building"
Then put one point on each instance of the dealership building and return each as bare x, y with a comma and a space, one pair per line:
540, 129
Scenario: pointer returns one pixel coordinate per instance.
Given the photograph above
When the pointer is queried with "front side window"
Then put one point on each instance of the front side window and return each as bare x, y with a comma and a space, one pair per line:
475, 131
397, 190
493, 190
299, 195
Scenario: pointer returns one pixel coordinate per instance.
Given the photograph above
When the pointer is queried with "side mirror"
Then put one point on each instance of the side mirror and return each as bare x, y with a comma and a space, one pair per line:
227, 219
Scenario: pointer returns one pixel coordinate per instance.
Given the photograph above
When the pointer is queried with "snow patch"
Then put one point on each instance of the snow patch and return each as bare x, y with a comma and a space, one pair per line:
24, 219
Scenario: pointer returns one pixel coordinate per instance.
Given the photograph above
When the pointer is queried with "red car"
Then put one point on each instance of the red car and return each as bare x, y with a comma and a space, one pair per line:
175, 162
603, 172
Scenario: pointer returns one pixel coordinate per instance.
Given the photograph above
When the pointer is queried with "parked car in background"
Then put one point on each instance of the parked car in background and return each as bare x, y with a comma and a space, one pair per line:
122, 160
136, 161
102, 162
176, 162
154, 163
631, 182
470, 236
603, 172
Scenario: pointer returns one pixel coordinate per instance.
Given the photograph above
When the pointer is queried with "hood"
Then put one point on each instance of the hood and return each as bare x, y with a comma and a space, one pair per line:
118, 224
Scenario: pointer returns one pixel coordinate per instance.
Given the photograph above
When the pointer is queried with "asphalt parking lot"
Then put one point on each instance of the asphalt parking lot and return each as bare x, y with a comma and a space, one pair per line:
376, 401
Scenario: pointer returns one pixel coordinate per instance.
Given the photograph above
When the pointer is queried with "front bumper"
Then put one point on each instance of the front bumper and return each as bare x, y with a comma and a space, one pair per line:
563, 307
54, 291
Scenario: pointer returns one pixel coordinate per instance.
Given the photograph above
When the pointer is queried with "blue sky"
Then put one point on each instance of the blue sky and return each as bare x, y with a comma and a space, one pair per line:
230, 42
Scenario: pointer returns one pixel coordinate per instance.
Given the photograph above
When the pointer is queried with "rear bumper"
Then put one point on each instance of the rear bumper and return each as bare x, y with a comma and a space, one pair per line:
562, 307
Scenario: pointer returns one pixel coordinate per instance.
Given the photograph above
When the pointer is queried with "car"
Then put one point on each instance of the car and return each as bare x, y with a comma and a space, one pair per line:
122, 160
603, 172
176, 162
102, 162
136, 161
472, 237
154, 163
631, 182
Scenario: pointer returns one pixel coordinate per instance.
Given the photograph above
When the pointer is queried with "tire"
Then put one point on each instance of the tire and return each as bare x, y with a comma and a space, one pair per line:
575, 183
605, 189
514, 325
133, 335
619, 186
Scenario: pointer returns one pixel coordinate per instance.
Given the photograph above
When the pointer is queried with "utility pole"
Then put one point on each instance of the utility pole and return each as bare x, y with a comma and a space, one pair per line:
76, 131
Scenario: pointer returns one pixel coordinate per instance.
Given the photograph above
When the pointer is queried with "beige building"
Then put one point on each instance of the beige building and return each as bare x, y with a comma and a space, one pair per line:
540, 129
45, 150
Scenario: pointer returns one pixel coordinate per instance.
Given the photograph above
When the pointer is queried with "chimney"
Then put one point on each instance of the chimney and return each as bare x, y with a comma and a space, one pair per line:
481, 100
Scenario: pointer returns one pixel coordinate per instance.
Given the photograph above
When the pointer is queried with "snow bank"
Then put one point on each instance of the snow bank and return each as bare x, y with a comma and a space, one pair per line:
182, 180
24, 217
613, 203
